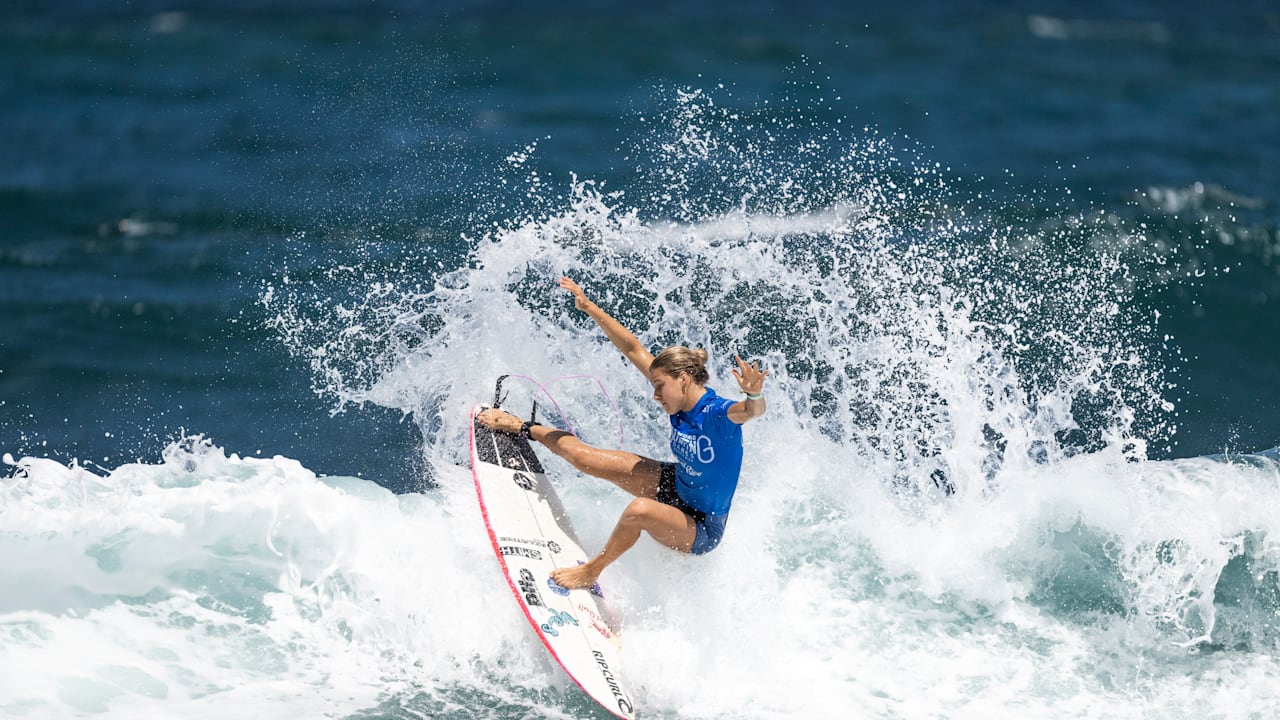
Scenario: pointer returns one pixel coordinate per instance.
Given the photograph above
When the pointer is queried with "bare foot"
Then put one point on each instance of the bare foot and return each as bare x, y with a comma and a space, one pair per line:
500, 420
574, 578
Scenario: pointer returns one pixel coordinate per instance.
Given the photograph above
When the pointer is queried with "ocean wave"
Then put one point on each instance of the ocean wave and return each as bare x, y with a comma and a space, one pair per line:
209, 584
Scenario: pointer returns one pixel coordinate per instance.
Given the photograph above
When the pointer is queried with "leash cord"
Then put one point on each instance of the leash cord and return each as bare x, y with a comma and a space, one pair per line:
560, 411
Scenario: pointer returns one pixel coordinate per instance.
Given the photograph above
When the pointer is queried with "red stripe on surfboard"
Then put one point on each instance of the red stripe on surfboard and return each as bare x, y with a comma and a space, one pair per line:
506, 571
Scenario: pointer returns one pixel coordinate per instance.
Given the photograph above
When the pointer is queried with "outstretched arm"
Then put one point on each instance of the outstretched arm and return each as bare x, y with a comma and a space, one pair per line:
621, 337
751, 379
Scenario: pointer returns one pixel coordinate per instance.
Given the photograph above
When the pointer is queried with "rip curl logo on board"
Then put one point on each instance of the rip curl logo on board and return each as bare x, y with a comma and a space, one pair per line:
624, 702
553, 546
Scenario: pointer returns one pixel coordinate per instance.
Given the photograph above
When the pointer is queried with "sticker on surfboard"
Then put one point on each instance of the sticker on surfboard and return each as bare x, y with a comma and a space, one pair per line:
531, 536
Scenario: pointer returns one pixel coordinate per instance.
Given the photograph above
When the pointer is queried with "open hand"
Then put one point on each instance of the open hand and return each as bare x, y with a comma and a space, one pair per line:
579, 297
749, 376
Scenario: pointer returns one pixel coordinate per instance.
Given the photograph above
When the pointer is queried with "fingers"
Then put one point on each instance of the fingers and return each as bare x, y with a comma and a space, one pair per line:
749, 375
745, 367
570, 285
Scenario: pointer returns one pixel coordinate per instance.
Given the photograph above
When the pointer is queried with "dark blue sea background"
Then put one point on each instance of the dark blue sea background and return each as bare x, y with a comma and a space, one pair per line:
1016, 267
162, 161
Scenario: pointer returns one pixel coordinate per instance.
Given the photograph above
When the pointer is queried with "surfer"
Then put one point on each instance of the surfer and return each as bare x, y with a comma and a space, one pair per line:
685, 504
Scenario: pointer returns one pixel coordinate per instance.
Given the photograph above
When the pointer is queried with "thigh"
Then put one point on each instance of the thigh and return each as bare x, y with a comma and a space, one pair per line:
665, 523
634, 473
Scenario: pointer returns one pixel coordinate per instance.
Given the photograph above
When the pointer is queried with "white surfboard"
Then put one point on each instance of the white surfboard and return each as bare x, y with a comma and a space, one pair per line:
531, 536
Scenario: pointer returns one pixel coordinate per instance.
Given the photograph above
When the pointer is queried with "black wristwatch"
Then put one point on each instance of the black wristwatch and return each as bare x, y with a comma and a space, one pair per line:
524, 428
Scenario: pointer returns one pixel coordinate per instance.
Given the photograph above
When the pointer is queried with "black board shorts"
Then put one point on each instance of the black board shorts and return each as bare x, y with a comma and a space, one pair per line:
710, 527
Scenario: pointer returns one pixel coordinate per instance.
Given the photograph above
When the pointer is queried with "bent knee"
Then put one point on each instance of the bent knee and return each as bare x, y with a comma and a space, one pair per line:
640, 510
664, 523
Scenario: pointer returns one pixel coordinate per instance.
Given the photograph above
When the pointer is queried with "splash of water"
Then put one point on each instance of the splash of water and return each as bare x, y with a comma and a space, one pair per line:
960, 410
210, 585
900, 324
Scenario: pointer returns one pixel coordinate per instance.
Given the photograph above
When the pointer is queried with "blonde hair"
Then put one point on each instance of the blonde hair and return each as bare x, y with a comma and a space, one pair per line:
679, 359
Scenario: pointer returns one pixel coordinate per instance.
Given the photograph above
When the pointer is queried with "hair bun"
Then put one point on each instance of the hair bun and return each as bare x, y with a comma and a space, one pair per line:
680, 359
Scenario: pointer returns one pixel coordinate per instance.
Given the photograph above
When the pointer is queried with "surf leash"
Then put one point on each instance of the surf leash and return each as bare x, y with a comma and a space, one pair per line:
498, 398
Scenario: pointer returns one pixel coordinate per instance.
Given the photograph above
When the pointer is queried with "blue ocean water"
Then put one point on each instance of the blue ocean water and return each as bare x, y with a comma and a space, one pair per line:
1015, 269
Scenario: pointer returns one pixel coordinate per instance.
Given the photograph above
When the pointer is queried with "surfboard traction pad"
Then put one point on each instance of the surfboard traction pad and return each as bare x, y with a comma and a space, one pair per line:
564, 609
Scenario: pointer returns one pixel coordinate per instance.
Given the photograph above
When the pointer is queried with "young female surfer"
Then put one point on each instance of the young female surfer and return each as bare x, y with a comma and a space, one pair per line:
683, 505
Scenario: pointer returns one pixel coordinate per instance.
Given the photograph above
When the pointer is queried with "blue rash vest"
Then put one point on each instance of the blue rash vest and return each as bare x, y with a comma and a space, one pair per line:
708, 450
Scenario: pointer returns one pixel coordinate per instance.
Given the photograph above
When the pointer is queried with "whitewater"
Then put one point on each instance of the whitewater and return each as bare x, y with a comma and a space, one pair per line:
948, 511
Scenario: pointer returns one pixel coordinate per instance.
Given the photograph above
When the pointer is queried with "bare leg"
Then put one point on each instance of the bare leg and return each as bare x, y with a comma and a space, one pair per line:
664, 523
636, 474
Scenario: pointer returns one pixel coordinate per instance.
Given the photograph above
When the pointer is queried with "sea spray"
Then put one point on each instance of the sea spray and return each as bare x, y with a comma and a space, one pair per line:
897, 318
948, 509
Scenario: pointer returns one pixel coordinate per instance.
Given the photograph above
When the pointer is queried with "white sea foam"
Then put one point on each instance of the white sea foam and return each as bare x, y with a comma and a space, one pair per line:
215, 586
212, 585
948, 510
